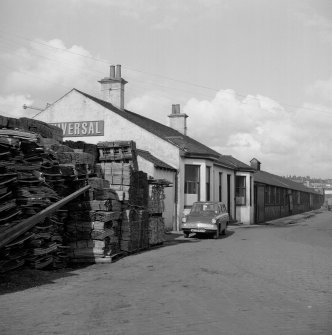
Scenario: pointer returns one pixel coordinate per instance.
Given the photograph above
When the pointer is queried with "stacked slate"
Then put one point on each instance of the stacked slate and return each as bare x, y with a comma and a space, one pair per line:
92, 230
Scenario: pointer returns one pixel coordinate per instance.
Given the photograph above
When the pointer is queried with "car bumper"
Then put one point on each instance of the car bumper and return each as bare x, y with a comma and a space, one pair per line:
199, 228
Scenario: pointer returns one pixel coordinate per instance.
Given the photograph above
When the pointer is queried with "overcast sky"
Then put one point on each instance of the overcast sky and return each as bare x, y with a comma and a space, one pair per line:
254, 76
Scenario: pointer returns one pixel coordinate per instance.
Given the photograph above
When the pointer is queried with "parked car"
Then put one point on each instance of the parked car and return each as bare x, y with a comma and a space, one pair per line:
206, 217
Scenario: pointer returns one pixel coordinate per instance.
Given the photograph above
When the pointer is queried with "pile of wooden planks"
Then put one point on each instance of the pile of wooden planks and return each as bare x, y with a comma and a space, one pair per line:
156, 230
134, 230
156, 208
25, 192
93, 227
46, 248
42, 129
118, 151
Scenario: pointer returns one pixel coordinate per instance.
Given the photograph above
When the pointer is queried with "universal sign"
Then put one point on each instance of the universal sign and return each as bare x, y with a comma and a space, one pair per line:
82, 128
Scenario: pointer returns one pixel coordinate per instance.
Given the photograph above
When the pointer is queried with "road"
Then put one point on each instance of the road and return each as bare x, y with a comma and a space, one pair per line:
274, 279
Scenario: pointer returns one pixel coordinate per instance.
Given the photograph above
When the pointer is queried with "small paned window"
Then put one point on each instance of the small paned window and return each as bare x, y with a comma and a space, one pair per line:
240, 190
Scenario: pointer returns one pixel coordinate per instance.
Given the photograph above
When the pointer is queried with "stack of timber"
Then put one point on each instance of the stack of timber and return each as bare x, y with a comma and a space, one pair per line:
156, 208
24, 193
46, 248
45, 131
73, 169
118, 151
93, 227
134, 230
118, 165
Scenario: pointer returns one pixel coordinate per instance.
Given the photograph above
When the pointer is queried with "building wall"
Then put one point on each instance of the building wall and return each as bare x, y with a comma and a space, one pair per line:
75, 107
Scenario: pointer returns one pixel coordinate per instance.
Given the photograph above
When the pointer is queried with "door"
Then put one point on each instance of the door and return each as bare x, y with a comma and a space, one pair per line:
259, 203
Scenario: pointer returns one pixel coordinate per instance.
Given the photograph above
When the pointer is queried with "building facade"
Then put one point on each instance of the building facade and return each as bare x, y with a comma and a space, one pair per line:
195, 171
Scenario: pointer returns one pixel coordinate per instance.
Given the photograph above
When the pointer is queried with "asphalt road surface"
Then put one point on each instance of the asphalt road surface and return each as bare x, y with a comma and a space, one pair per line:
273, 279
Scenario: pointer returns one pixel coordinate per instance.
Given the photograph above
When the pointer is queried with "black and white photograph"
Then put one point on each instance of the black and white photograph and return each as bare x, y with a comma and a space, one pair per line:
166, 167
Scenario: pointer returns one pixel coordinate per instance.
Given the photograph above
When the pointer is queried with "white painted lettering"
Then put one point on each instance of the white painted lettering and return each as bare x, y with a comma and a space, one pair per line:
64, 127
91, 130
84, 128
70, 129
97, 128
76, 128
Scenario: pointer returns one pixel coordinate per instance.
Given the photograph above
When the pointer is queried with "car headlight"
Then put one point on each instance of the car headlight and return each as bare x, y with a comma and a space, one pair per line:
214, 221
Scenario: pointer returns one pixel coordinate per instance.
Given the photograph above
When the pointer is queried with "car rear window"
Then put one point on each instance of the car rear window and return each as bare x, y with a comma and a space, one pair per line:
204, 208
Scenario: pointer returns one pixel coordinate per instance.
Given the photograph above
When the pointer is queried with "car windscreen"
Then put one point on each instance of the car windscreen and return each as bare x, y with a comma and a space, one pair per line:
204, 209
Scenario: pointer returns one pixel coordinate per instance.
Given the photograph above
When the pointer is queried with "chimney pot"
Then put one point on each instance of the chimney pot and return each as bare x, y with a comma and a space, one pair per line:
112, 71
176, 109
118, 72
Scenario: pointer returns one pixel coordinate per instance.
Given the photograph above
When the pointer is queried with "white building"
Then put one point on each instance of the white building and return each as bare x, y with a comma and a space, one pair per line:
196, 171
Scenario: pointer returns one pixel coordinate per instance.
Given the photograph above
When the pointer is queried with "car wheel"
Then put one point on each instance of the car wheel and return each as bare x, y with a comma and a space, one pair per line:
223, 231
216, 234
186, 235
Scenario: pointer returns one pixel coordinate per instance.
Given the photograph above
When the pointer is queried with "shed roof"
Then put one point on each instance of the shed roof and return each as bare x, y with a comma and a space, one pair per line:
274, 180
157, 162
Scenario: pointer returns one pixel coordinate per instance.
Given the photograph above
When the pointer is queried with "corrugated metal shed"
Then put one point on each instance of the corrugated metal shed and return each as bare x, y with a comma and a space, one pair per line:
274, 180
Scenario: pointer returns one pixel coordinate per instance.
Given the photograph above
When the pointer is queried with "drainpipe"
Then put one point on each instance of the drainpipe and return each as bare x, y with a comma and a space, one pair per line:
176, 225
234, 195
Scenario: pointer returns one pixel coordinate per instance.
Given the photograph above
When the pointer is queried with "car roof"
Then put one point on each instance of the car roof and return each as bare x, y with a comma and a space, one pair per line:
209, 202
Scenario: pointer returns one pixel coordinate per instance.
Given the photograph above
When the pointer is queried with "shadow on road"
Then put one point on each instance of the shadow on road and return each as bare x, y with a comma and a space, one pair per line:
25, 278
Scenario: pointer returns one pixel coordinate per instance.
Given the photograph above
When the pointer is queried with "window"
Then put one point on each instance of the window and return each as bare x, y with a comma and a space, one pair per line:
191, 184
208, 183
220, 186
278, 195
299, 198
240, 190
272, 195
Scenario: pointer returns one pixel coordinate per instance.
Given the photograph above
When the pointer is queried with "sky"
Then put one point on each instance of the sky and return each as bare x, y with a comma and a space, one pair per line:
253, 76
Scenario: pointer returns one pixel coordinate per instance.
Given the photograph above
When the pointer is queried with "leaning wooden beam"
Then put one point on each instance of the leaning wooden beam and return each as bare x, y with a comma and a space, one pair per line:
12, 233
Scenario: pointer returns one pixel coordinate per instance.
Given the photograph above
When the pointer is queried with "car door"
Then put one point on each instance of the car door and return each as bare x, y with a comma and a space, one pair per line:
224, 215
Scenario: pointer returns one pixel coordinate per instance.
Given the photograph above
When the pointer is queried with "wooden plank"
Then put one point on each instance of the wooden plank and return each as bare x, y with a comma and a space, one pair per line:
13, 232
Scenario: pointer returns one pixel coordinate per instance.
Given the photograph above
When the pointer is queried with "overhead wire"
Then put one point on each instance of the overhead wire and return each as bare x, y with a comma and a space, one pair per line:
100, 60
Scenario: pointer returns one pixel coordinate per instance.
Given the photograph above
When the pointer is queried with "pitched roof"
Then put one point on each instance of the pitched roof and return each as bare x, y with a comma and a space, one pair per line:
157, 162
274, 180
187, 145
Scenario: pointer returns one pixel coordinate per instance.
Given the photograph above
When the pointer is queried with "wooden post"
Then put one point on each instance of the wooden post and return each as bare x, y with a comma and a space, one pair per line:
12, 233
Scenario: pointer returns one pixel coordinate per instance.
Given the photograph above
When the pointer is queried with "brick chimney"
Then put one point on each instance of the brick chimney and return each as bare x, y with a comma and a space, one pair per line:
178, 120
256, 164
112, 87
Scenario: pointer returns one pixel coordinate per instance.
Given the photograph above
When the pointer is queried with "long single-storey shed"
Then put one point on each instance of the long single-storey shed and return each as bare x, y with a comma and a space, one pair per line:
276, 197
